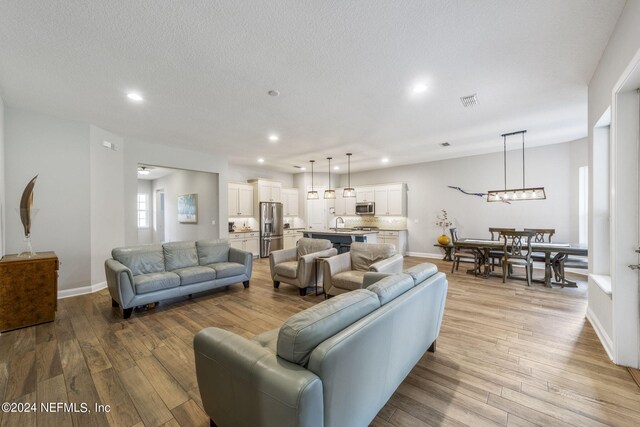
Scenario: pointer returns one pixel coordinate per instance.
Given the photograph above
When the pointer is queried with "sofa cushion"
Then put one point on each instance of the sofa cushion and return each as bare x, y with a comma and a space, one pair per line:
227, 269
268, 340
287, 269
152, 282
197, 274
180, 255
349, 279
302, 332
391, 287
422, 272
365, 254
141, 259
210, 251
308, 246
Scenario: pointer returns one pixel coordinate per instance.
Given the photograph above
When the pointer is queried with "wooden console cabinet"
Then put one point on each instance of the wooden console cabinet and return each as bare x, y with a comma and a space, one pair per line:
28, 290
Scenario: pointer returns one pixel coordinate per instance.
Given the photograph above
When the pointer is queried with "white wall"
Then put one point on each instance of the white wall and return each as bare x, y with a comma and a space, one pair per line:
58, 152
107, 204
2, 186
238, 173
612, 316
180, 182
549, 166
579, 154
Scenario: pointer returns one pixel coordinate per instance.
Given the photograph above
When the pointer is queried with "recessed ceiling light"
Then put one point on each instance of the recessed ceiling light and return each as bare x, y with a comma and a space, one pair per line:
419, 88
303, 168
135, 97
336, 168
260, 160
385, 160
273, 138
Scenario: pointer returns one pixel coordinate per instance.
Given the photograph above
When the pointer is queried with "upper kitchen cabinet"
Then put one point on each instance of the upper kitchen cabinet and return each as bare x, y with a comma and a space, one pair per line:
290, 202
344, 205
267, 191
365, 194
240, 199
391, 200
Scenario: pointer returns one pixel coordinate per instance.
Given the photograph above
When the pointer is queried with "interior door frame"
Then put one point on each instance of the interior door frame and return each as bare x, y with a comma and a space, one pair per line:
625, 217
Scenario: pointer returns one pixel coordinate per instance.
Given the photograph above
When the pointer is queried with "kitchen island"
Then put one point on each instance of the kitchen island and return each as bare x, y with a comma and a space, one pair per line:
342, 238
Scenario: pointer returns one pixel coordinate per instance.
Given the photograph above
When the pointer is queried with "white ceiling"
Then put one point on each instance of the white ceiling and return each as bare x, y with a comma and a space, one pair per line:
344, 70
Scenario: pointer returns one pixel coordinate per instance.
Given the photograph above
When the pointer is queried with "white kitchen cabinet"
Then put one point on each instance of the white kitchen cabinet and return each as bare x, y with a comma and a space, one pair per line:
240, 202
249, 242
391, 200
290, 202
365, 194
397, 238
344, 206
267, 191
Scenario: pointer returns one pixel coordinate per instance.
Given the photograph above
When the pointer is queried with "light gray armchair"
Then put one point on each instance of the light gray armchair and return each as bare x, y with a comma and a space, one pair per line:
297, 266
345, 272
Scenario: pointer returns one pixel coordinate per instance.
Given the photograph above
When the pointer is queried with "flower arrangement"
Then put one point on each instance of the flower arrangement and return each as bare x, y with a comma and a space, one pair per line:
443, 221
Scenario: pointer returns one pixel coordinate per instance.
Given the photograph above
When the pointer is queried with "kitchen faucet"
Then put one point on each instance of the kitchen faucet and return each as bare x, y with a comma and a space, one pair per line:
338, 218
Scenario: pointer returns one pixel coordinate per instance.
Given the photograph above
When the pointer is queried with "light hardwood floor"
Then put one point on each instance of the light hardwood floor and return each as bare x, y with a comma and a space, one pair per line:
506, 355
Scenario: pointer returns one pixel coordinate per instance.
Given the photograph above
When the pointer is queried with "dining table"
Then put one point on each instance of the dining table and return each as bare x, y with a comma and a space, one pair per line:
554, 255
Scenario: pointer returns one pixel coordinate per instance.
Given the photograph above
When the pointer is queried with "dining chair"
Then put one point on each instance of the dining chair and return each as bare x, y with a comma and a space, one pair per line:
541, 235
495, 255
463, 254
517, 251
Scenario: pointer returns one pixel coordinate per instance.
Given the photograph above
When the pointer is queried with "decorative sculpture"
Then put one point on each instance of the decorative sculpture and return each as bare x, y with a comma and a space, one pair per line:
26, 205
473, 194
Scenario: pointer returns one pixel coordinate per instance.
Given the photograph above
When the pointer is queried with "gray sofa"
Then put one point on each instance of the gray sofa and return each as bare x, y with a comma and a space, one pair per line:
139, 275
297, 266
335, 364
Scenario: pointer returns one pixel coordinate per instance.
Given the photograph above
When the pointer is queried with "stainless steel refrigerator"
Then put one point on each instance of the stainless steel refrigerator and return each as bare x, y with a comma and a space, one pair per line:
271, 226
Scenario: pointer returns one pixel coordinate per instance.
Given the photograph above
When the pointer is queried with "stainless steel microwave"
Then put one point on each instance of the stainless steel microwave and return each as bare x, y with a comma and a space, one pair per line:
366, 208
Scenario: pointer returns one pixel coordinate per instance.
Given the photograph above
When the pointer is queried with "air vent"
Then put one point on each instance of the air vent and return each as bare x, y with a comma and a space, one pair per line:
445, 144
469, 101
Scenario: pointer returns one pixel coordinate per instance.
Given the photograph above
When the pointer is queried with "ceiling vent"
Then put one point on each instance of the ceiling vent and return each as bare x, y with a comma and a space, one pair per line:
469, 101
445, 144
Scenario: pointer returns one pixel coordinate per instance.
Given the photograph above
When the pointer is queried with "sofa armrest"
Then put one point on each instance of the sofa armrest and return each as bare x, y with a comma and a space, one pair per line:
242, 257
120, 282
279, 256
307, 265
389, 265
371, 277
235, 374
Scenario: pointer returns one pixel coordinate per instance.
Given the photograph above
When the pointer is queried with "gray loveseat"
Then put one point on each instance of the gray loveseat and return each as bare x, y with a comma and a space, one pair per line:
334, 364
144, 274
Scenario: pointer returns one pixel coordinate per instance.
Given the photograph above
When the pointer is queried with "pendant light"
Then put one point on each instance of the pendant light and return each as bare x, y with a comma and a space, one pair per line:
349, 191
312, 195
329, 194
515, 194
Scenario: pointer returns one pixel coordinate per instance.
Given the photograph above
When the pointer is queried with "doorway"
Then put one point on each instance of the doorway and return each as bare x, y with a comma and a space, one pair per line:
159, 218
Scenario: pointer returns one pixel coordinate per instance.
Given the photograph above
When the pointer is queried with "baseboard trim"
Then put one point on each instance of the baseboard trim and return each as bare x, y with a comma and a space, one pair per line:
424, 255
602, 335
67, 293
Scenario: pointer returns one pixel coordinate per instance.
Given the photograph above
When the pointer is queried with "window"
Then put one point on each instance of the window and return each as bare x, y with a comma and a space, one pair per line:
143, 211
583, 204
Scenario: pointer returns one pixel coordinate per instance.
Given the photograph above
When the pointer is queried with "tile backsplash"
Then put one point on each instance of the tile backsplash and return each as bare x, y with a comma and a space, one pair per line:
391, 222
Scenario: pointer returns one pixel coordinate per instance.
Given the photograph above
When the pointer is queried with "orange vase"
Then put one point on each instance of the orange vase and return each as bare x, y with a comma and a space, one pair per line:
444, 240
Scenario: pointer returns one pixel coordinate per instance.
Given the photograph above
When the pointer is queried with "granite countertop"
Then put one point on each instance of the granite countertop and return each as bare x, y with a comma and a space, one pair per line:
244, 231
346, 232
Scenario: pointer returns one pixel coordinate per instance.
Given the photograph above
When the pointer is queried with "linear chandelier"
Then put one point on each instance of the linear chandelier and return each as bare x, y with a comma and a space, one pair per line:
515, 194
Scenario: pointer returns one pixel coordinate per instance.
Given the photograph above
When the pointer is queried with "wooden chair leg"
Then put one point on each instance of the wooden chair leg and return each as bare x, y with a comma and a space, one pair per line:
504, 271
453, 265
528, 270
432, 349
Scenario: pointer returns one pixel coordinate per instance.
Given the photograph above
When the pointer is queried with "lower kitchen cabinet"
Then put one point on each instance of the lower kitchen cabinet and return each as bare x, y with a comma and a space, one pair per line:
397, 238
291, 238
249, 242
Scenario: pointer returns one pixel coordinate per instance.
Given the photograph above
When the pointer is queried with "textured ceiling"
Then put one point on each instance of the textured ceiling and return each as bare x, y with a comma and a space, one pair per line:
344, 70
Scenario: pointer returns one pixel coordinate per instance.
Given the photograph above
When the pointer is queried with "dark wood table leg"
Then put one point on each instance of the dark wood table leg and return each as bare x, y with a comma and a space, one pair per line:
547, 269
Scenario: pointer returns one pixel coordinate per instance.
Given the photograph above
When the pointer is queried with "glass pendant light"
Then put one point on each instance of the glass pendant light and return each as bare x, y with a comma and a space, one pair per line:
329, 194
349, 191
312, 195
